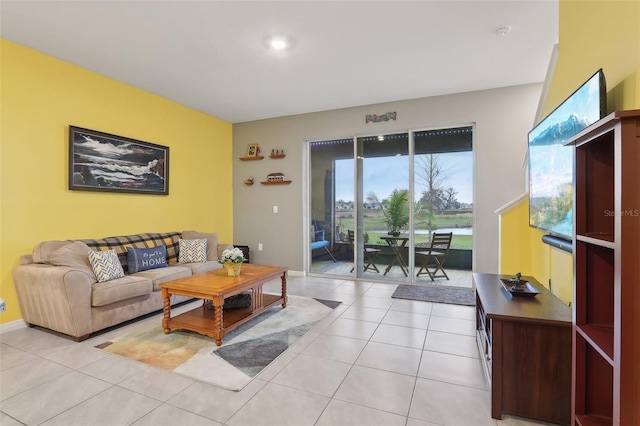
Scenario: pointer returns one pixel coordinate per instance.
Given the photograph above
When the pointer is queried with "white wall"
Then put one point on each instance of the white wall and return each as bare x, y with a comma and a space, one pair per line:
502, 119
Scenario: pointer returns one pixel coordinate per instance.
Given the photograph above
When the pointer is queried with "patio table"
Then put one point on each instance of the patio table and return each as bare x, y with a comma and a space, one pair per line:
397, 244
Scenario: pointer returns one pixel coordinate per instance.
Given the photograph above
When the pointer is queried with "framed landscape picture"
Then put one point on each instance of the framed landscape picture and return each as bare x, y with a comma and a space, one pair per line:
103, 162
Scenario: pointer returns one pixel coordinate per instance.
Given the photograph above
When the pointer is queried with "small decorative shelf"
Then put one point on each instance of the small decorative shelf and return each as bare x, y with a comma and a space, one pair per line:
274, 156
251, 158
282, 182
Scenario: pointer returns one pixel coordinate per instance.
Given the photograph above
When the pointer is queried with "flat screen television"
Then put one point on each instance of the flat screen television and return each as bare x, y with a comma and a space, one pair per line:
551, 163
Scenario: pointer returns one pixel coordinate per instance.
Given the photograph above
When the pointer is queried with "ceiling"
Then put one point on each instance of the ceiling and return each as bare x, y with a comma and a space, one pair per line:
211, 55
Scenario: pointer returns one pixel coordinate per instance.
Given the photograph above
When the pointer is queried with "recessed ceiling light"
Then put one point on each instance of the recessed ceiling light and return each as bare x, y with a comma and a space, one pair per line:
278, 42
503, 31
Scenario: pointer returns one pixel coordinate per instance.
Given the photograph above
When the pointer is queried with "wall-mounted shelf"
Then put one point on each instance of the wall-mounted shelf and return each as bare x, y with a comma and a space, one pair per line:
282, 182
277, 156
251, 158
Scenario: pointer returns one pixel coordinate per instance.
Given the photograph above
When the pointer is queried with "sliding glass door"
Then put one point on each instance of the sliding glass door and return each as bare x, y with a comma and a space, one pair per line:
443, 194
331, 206
375, 202
382, 203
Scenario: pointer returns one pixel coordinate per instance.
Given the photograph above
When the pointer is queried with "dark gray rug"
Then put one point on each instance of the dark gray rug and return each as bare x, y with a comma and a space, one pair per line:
252, 355
455, 296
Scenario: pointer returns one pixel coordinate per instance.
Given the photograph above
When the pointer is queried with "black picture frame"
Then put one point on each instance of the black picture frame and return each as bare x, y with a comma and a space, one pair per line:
101, 161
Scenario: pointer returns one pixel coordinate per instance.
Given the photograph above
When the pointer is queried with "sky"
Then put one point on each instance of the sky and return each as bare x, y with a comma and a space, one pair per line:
585, 103
384, 174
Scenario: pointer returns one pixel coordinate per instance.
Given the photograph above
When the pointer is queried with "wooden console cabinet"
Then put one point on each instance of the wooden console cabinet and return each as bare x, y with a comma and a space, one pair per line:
525, 343
606, 359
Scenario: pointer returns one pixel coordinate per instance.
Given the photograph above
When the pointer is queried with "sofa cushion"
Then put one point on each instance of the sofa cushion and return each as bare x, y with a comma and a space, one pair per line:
193, 251
162, 275
212, 241
42, 250
142, 259
105, 265
74, 255
119, 289
147, 240
202, 267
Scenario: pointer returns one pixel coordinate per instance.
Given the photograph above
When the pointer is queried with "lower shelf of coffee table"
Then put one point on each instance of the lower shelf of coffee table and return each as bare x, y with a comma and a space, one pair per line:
202, 318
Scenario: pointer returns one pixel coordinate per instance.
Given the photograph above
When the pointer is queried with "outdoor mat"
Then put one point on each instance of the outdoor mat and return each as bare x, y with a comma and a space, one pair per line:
244, 352
455, 296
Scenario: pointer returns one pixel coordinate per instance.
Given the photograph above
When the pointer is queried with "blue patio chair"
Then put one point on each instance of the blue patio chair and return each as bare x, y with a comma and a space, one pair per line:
319, 242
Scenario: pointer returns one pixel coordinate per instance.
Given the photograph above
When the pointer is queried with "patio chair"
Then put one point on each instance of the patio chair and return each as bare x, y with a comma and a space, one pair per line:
369, 254
318, 241
435, 256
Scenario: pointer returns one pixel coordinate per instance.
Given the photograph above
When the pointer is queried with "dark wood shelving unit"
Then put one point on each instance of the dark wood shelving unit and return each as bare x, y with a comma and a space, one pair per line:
258, 157
606, 349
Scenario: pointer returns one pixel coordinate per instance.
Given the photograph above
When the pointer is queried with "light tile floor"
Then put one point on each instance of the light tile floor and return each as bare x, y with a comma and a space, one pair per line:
374, 361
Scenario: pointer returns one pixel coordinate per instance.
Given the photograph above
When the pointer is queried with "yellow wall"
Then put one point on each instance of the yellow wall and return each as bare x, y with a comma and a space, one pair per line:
515, 249
41, 97
593, 35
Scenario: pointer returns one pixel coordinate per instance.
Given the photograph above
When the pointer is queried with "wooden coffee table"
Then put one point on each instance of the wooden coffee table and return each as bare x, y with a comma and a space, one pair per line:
214, 287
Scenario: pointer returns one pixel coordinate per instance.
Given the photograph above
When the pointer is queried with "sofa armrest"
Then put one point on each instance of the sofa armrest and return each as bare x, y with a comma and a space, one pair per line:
222, 247
55, 297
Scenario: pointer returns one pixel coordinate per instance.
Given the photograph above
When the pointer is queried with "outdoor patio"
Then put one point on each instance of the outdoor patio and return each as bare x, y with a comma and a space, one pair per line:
457, 277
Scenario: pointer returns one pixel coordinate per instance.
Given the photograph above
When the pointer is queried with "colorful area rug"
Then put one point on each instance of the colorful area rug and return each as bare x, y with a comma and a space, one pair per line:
245, 351
455, 296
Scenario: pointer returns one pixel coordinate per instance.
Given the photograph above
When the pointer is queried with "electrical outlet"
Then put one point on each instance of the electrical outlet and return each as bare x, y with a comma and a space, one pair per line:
259, 246
275, 209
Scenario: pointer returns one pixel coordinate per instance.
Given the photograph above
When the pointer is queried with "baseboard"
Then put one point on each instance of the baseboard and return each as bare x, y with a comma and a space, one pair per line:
12, 326
296, 273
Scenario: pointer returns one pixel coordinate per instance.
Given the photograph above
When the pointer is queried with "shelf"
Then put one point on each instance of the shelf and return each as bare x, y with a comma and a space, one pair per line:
598, 391
606, 299
604, 240
284, 182
595, 188
601, 338
251, 158
595, 277
277, 156
593, 421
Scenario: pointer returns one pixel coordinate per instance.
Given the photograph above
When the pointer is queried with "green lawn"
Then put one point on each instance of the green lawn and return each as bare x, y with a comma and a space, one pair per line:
374, 225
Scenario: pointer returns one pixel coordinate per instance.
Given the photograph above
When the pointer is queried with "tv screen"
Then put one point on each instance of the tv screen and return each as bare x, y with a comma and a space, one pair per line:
551, 163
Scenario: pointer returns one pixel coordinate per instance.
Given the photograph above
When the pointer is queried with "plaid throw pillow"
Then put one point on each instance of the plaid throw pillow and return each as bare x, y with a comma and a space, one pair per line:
106, 265
193, 251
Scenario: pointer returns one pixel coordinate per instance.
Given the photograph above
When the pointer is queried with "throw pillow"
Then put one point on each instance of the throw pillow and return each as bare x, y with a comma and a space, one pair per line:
106, 265
212, 241
142, 259
192, 251
42, 250
74, 255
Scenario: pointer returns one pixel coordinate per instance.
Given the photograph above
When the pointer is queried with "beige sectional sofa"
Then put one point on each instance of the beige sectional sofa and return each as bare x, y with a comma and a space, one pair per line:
57, 288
